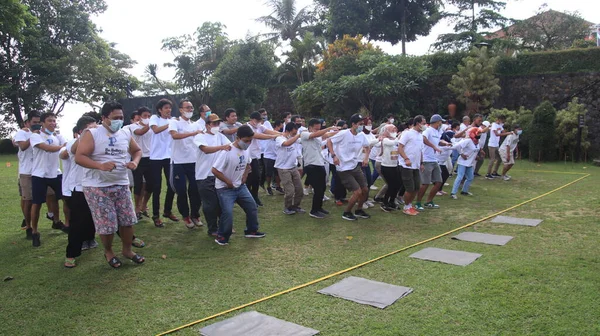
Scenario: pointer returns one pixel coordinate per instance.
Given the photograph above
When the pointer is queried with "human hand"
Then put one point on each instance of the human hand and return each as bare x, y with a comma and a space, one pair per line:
226, 148
422, 168
132, 165
108, 166
336, 161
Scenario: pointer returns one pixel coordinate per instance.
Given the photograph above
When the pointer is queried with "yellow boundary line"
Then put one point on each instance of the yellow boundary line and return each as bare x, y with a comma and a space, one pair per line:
368, 262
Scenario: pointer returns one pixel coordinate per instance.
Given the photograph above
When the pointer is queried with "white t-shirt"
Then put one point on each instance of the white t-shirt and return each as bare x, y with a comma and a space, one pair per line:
413, 148
483, 137
470, 149
434, 136
109, 147
25, 156
254, 149
263, 143
463, 127
511, 140
205, 162
67, 180
270, 150
287, 156
45, 164
233, 165
200, 124
224, 125
76, 172
144, 141
312, 150
183, 150
160, 146
494, 139
389, 158
371, 139
348, 147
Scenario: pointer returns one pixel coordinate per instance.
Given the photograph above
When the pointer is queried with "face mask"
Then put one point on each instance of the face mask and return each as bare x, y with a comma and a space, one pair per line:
188, 115
391, 120
299, 125
360, 129
423, 127
394, 135
265, 118
287, 121
47, 132
145, 121
243, 145
36, 127
519, 132
214, 130
209, 112
116, 125
368, 128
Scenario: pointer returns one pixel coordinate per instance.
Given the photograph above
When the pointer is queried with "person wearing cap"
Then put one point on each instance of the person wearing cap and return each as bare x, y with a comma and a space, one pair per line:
484, 129
507, 151
497, 131
468, 149
183, 158
431, 173
208, 146
345, 148
410, 158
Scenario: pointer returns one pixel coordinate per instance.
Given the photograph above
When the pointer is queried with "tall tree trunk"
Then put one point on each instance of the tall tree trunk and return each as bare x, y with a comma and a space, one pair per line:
403, 26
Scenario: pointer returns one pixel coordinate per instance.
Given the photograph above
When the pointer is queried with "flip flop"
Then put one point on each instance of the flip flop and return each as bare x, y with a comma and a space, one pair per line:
138, 259
137, 242
114, 261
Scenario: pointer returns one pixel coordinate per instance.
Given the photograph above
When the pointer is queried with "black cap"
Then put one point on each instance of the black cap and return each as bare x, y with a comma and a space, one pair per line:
356, 118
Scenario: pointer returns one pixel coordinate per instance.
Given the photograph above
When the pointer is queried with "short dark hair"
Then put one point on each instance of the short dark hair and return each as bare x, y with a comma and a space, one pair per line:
517, 126
46, 115
418, 119
285, 114
33, 114
455, 124
477, 115
341, 123
183, 101
502, 117
255, 115
314, 121
410, 122
83, 122
389, 116
262, 110
290, 127
108, 107
143, 109
295, 117
162, 103
245, 131
134, 114
75, 129
229, 111
277, 123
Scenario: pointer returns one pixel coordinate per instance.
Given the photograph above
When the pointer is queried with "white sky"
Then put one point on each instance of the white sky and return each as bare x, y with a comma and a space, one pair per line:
138, 26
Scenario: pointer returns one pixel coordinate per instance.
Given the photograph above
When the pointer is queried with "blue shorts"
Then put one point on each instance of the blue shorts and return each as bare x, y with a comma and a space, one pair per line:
39, 188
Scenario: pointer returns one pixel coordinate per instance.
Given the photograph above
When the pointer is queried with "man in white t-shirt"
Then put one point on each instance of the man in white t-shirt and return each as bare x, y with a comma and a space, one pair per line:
497, 132
484, 129
231, 170
507, 151
270, 155
410, 159
287, 169
142, 176
263, 147
230, 125
209, 145
183, 159
45, 170
345, 148
160, 160
204, 112
21, 139
107, 152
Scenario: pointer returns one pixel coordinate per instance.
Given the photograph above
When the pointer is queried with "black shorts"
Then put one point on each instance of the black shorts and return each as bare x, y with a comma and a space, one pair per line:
39, 188
269, 167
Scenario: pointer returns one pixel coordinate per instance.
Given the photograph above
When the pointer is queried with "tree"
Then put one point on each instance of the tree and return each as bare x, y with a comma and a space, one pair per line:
287, 22
475, 84
301, 59
244, 74
567, 125
542, 144
472, 22
521, 117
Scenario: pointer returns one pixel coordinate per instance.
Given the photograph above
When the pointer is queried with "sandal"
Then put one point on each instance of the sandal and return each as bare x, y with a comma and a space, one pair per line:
114, 262
138, 259
171, 216
145, 213
157, 222
139, 216
137, 242
70, 262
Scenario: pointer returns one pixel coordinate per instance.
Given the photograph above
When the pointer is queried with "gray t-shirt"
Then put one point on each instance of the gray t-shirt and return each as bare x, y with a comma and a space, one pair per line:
312, 150
225, 125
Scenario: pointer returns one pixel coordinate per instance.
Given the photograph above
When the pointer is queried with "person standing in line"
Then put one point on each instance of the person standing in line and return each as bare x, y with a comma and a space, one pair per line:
45, 171
160, 160
468, 149
431, 173
263, 147
204, 113
372, 140
209, 145
25, 156
287, 169
507, 151
337, 189
410, 151
183, 169
462, 131
389, 166
496, 133
105, 153
444, 157
270, 156
484, 129
478, 123
314, 163
231, 125
82, 230
345, 148
260, 133
231, 169
390, 119
142, 176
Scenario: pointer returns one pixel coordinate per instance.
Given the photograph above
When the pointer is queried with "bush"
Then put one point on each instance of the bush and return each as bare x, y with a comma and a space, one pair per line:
563, 61
523, 118
567, 124
542, 141
442, 63
7, 147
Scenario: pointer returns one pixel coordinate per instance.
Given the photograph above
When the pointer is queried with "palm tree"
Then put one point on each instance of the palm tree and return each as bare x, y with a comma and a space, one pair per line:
286, 22
303, 56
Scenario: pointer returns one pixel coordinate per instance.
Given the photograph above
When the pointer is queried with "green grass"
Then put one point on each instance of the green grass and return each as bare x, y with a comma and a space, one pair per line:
544, 282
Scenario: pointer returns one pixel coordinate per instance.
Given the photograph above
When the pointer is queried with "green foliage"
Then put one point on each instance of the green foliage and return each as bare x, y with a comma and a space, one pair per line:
300, 61
521, 117
442, 63
475, 83
563, 61
567, 124
288, 23
244, 74
542, 144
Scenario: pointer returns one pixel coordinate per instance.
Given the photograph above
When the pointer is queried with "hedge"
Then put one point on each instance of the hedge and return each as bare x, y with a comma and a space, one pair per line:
7, 147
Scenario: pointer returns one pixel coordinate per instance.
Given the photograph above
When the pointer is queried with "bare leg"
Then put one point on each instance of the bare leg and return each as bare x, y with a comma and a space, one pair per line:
126, 234
422, 192
434, 190
52, 203
26, 208
357, 197
409, 197
506, 168
35, 217
107, 241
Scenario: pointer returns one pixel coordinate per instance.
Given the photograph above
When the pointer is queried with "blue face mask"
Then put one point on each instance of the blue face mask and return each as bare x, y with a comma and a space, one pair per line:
243, 145
519, 132
47, 131
360, 129
209, 112
116, 125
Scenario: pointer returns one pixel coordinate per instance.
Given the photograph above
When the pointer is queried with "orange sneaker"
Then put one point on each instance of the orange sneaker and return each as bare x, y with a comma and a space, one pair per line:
339, 203
411, 212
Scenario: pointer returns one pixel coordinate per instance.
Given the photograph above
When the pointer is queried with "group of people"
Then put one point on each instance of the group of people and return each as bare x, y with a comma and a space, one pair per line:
211, 164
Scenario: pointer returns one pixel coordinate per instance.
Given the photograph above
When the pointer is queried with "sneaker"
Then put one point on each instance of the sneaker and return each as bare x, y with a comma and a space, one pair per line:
157, 222
270, 191
35, 237
339, 202
171, 216
259, 203
299, 210
361, 214
306, 191
221, 241
466, 193
317, 214
439, 193
188, 223
373, 187
92, 244
454, 196
28, 233
70, 262
65, 229
393, 206
139, 216
431, 205
386, 208
370, 204
49, 217
365, 206
378, 200
419, 207
58, 225
197, 222
85, 246
506, 178
254, 234
496, 175
410, 212
289, 212
446, 184
489, 177
280, 190
325, 198
477, 174
348, 216
323, 211
23, 224
400, 200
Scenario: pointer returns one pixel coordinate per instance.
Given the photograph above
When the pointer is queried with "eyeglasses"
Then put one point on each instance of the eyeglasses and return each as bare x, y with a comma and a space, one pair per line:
189, 108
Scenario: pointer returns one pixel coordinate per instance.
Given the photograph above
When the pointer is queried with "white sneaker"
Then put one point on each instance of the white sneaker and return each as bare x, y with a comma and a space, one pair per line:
454, 196
306, 191
365, 206
325, 198
506, 178
374, 187
370, 204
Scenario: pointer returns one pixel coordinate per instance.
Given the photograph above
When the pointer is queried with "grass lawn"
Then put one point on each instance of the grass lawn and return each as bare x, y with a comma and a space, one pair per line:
546, 281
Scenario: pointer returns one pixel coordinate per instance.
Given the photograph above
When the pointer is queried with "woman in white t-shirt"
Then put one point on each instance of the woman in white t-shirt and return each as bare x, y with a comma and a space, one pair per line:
389, 166
468, 150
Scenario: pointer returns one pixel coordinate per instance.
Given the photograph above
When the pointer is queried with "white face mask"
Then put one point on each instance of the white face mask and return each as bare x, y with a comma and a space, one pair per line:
368, 128
423, 128
391, 120
145, 121
214, 130
188, 115
394, 135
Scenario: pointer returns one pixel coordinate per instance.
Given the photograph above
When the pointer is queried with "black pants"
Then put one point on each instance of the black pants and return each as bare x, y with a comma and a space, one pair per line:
391, 175
263, 169
81, 225
339, 191
157, 167
142, 172
253, 181
210, 203
316, 177
445, 175
183, 181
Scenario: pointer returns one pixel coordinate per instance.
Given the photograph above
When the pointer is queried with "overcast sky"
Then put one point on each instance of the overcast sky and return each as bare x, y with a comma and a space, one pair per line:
138, 26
